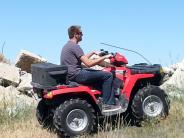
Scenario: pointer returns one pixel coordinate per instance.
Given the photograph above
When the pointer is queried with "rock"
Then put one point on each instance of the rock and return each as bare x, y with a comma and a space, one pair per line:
173, 91
25, 84
26, 58
174, 85
9, 75
16, 92
168, 73
23, 100
168, 70
177, 79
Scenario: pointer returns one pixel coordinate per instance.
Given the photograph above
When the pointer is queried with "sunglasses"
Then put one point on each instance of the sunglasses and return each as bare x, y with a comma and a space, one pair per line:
79, 33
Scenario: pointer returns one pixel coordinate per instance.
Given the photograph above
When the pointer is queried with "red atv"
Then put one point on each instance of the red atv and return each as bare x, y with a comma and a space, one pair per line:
73, 109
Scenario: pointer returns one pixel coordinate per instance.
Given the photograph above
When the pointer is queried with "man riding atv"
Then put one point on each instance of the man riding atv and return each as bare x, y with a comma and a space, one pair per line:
75, 109
72, 56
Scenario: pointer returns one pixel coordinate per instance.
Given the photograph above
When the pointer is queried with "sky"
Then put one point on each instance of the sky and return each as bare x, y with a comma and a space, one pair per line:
154, 28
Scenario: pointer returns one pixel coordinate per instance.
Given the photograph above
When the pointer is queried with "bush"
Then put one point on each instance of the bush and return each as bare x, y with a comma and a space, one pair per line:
10, 114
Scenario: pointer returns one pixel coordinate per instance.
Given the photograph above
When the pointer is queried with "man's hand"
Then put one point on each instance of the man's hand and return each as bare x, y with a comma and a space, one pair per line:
108, 56
96, 52
92, 53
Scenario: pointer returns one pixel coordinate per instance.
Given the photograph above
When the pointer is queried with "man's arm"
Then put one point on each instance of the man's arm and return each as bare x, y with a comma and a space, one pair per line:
105, 64
89, 62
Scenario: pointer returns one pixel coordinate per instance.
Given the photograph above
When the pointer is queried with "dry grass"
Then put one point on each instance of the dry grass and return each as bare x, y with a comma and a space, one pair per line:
3, 59
26, 126
25, 129
171, 127
23, 126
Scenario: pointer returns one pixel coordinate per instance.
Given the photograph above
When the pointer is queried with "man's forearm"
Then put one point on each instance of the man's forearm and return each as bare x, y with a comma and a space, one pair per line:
89, 54
89, 63
105, 64
97, 61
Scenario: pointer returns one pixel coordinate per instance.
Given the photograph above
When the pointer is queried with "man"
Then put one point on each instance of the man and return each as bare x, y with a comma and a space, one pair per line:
72, 55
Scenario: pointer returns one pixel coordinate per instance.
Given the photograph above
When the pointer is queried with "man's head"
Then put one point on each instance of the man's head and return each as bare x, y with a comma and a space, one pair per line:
74, 32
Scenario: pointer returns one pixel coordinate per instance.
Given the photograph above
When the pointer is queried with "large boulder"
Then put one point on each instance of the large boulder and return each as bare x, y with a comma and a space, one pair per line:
25, 83
174, 84
177, 78
26, 58
9, 74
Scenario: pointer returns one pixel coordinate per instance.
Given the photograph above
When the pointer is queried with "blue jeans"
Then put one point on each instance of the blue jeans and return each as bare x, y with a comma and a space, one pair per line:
96, 76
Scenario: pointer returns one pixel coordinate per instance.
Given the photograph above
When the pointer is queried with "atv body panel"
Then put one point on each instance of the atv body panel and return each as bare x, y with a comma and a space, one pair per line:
73, 108
67, 89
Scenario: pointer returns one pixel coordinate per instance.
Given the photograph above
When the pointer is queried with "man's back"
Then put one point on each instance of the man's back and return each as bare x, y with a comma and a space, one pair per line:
70, 56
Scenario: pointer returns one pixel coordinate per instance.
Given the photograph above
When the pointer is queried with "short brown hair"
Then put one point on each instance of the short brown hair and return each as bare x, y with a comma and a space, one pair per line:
72, 30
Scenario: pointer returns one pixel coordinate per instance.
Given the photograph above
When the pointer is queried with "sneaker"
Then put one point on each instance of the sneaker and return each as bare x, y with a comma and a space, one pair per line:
122, 101
110, 108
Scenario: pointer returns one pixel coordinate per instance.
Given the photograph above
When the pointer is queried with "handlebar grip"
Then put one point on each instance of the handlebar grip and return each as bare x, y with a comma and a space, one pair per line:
103, 53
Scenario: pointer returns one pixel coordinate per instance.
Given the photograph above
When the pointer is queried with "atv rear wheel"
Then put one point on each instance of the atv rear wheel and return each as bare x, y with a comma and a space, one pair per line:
150, 102
74, 117
43, 115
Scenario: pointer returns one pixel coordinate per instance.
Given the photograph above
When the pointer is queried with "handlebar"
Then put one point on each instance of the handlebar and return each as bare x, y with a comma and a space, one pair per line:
116, 59
103, 53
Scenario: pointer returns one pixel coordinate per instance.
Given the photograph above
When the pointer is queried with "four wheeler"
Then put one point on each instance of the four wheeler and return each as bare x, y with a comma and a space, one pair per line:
73, 109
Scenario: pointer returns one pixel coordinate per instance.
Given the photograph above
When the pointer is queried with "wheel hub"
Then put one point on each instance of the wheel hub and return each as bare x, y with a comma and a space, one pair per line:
77, 120
152, 106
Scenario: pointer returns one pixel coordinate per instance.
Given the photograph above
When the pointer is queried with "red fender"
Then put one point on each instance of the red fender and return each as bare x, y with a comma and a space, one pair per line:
65, 90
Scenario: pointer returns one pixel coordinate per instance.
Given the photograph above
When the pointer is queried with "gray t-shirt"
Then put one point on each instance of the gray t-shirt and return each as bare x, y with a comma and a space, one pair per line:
70, 56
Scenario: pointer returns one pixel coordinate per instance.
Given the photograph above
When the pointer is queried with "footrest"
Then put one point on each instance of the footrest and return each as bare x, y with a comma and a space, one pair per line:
114, 112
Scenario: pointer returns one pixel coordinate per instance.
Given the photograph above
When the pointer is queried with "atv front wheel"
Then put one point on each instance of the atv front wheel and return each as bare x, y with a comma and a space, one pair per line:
74, 117
150, 102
